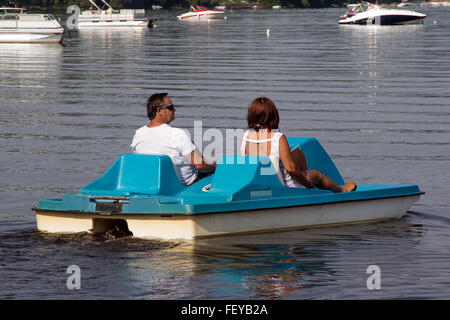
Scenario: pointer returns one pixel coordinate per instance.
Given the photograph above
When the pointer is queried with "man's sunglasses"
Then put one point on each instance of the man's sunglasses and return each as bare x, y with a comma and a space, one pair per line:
171, 107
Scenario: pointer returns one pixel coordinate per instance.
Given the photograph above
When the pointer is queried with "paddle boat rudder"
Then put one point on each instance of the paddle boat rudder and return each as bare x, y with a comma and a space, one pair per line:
142, 195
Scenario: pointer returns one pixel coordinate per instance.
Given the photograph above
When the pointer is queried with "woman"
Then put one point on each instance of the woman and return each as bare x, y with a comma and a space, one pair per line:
263, 138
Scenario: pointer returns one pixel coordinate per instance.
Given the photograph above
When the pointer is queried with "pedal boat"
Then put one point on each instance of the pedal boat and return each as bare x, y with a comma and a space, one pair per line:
142, 194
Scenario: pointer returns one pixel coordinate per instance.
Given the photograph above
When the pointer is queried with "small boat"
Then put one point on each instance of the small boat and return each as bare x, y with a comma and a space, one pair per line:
198, 13
367, 13
18, 26
437, 3
142, 196
100, 18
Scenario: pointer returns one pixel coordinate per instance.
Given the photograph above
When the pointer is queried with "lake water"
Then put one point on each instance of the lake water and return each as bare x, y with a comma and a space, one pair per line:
377, 98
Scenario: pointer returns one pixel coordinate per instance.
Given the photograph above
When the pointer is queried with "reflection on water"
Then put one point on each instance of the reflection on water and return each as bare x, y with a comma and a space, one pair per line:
31, 66
109, 37
296, 263
322, 263
379, 51
376, 97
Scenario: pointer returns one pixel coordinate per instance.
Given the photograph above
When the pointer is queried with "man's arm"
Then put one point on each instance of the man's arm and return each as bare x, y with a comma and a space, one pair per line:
197, 161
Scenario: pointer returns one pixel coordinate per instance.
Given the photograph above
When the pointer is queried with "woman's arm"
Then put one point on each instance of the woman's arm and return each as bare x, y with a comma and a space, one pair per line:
289, 164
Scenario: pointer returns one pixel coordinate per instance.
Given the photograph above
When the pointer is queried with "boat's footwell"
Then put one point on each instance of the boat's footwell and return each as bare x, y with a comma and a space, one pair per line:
177, 226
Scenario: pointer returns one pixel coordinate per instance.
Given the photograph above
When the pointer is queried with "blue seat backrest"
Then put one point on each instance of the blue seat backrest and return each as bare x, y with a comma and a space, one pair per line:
136, 174
317, 158
234, 173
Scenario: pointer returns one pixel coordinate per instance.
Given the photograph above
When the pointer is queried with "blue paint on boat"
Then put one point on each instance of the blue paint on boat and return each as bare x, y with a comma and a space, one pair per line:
147, 184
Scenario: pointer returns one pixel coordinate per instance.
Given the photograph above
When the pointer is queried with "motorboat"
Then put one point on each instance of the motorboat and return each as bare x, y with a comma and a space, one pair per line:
18, 26
367, 13
142, 196
198, 13
105, 17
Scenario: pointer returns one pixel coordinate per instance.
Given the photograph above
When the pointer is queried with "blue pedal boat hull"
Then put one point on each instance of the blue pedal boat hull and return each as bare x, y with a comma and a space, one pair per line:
245, 195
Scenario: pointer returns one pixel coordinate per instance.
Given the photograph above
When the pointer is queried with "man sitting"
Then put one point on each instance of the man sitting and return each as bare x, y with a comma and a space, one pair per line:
158, 137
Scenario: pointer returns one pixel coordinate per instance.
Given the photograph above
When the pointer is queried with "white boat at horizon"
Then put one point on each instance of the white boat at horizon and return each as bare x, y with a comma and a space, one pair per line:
198, 13
438, 3
18, 26
98, 17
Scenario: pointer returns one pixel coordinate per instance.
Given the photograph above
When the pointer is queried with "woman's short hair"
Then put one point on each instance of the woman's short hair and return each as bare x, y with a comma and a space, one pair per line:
262, 114
156, 100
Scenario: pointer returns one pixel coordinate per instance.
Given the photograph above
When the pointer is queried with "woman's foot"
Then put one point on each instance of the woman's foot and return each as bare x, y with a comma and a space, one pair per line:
349, 187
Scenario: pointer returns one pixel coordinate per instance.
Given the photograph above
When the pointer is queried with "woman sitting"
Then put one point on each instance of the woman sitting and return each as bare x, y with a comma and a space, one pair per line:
264, 138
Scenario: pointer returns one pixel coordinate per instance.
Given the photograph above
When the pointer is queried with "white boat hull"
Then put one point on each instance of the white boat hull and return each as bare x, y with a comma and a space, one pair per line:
113, 24
179, 226
30, 37
385, 17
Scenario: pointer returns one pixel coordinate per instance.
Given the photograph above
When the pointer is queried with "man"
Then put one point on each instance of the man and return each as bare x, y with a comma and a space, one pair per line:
158, 137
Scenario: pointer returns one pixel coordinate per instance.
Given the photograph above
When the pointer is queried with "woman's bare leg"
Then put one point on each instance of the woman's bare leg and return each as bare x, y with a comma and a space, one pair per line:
321, 181
318, 179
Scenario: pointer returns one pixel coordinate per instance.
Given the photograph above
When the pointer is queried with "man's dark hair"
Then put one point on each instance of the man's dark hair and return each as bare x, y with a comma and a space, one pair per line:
154, 102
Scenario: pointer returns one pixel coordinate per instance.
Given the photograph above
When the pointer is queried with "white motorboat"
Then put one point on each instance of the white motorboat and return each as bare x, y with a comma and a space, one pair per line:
198, 13
367, 13
17, 26
99, 17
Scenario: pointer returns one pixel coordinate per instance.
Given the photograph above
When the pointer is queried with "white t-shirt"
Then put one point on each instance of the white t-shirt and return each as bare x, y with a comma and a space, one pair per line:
170, 141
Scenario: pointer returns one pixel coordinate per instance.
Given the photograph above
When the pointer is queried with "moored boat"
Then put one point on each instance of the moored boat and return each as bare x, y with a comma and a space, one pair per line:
18, 26
141, 195
98, 17
198, 13
367, 13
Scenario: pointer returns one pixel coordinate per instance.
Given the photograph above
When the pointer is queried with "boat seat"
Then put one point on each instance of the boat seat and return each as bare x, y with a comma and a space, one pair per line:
276, 167
137, 174
235, 174
316, 157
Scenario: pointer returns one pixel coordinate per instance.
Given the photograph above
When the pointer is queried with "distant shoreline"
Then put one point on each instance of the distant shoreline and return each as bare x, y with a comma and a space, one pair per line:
265, 4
